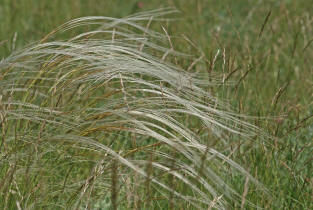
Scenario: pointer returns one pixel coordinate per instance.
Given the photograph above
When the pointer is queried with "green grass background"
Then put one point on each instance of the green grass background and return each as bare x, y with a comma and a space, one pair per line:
273, 57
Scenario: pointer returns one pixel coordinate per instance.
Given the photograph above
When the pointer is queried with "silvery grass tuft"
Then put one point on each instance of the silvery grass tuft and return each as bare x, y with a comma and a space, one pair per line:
103, 119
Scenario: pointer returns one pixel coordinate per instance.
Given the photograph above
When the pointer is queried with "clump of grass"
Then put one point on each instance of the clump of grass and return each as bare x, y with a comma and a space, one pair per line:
105, 118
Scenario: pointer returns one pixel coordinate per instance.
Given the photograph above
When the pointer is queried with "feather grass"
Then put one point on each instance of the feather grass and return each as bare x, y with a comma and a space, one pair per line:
102, 116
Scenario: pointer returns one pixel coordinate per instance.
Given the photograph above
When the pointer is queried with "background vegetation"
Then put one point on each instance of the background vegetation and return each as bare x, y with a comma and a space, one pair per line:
264, 47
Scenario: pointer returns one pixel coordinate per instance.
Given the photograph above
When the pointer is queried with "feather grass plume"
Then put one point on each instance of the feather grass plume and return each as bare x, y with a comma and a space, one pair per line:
102, 118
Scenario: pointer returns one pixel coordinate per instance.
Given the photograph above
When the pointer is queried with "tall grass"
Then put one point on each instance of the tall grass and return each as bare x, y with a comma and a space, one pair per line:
104, 119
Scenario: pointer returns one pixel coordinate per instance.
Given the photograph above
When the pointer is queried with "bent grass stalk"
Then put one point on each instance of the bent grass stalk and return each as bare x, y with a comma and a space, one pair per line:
94, 121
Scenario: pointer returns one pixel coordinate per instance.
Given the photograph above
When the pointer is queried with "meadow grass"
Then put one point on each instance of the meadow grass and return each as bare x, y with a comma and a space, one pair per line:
104, 116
